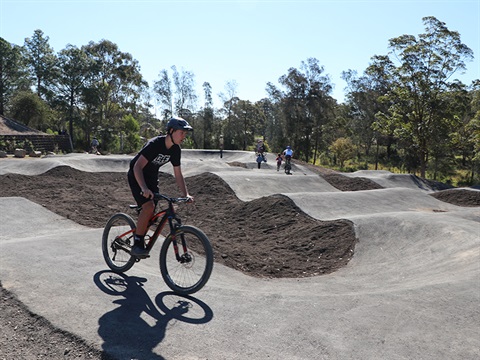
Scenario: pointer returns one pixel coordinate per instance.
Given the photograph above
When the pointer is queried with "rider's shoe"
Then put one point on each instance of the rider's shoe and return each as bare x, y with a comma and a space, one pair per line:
138, 250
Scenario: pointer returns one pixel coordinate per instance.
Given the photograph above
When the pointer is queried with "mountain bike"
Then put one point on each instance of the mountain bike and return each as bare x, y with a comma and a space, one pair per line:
186, 256
288, 165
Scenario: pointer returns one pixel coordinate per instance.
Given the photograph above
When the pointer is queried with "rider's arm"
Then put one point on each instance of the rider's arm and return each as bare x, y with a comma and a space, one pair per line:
138, 172
177, 171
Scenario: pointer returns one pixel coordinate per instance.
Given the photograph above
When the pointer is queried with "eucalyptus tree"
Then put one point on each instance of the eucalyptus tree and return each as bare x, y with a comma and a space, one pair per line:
231, 126
176, 94
234, 127
13, 77
74, 75
465, 140
474, 128
41, 60
246, 116
210, 134
364, 99
266, 127
162, 89
425, 67
274, 118
228, 97
150, 126
186, 97
293, 105
115, 88
307, 105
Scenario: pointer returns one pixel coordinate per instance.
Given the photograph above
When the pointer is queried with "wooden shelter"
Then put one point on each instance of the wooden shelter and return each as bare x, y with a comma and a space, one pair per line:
15, 135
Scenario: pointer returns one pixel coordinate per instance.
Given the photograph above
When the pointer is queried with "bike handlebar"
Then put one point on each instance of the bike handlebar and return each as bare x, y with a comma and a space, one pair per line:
158, 196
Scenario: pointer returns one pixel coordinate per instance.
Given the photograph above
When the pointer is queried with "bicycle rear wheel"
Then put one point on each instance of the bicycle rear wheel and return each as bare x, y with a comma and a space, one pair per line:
189, 270
117, 241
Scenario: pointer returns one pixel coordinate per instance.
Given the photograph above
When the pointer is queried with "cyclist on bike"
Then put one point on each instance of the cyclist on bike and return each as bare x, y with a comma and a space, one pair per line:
95, 144
143, 175
288, 153
260, 151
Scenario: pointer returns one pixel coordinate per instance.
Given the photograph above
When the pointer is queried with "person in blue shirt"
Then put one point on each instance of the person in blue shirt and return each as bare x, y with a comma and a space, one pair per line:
288, 153
143, 175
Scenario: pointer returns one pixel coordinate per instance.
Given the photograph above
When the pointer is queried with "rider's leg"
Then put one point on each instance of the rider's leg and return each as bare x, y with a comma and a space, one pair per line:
148, 208
138, 248
144, 217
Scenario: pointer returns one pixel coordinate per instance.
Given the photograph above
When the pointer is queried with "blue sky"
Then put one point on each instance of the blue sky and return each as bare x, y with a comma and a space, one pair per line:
250, 42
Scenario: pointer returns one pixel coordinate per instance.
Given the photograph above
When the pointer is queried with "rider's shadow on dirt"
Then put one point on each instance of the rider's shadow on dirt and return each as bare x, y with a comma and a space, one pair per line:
136, 326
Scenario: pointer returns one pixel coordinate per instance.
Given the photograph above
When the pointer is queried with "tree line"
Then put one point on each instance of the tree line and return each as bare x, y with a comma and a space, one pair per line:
405, 111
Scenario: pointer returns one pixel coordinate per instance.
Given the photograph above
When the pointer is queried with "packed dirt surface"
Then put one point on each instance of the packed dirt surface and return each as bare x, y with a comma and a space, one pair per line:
267, 237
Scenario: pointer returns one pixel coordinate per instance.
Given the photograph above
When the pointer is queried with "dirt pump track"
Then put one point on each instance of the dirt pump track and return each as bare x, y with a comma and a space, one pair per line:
269, 237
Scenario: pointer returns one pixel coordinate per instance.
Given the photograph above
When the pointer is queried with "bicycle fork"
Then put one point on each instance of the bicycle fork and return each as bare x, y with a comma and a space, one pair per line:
185, 257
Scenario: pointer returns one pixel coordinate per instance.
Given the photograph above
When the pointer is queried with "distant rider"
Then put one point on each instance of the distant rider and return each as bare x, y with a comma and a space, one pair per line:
279, 161
260, 158
260, 151
288, 153
95, 145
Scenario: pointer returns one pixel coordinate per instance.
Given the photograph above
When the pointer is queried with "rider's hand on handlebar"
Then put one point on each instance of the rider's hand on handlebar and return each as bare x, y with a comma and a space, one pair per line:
190, 199
147, 193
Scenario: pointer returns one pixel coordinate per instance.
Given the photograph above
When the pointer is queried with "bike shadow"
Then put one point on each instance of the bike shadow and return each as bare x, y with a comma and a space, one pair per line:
137, 325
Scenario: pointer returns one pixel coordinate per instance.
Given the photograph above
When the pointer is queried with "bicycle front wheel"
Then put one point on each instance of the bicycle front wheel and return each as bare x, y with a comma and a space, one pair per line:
117, 241
186, 260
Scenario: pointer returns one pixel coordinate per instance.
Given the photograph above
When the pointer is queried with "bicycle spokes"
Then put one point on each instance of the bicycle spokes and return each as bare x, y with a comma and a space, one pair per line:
186, 260
116, 242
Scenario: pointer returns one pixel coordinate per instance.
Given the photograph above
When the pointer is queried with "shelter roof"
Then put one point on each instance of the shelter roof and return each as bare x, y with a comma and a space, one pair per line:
12, 127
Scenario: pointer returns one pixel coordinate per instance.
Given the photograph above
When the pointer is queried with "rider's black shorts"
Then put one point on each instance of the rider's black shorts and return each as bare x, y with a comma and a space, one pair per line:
136, 190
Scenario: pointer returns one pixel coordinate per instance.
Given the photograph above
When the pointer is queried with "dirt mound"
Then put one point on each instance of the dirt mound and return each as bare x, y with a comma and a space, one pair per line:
267, 237
460, 197
270, 236
238, 164
345, 183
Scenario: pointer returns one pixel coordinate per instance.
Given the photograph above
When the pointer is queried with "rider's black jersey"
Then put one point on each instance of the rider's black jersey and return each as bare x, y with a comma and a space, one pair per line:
157, 155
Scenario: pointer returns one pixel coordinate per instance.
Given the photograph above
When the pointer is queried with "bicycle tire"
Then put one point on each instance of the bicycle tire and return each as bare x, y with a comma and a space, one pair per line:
190, 276
114, 252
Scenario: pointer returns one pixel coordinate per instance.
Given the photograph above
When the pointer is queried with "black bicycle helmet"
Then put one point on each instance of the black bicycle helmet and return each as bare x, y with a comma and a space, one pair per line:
177, 123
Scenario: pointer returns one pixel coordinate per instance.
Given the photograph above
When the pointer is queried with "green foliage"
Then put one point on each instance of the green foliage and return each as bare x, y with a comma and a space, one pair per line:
188, 143
13, 75
28, 145
132, 138
305, 105
11, 145
418, 103
28, 109
42, 64
343, 149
